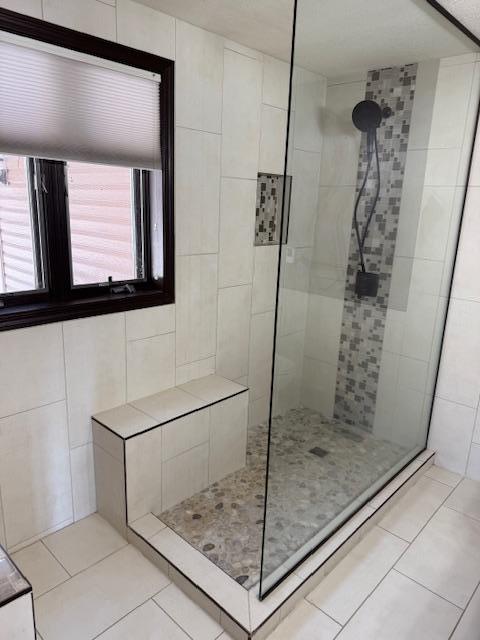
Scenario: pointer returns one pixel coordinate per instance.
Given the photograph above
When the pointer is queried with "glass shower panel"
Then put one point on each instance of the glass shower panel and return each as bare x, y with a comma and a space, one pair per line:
379, 146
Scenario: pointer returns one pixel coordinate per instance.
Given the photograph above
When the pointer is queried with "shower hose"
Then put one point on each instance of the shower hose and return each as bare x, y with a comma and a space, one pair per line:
361, 237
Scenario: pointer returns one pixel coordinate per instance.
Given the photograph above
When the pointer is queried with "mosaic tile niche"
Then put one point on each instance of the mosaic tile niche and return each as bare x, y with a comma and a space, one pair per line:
363, 321
268, 211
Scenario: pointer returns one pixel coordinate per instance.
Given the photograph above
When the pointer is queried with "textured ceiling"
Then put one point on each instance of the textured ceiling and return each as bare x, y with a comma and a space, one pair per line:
465, 11
334, 37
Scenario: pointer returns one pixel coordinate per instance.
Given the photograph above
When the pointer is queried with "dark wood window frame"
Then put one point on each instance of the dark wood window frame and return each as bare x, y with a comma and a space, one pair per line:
62, 301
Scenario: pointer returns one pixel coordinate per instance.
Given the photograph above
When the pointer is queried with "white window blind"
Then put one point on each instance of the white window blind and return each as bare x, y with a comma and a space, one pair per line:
65, 108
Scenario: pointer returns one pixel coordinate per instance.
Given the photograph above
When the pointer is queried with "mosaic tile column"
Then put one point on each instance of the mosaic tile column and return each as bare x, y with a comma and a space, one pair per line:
363, 321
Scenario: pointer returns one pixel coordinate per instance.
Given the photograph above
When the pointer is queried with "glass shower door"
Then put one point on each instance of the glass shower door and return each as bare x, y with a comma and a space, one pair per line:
378, 152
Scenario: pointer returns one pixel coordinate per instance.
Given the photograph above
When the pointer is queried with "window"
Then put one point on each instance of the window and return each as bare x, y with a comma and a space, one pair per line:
86, 179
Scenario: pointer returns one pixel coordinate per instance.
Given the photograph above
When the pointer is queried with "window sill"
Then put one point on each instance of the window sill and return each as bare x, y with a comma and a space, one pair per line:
46, 312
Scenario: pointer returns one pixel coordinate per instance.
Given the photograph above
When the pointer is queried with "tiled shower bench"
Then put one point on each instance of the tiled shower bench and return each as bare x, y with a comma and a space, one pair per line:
157, 451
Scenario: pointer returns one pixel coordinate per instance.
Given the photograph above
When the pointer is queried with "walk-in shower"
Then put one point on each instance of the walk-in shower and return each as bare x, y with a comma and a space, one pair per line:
382, 109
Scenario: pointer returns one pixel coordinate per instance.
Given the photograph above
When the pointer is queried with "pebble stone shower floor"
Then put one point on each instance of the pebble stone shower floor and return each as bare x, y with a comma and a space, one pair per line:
318, 466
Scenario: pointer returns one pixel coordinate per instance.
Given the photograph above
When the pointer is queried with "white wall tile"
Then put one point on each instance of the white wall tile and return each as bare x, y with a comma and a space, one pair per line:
144, 28
234, 304
452, 95
442, 167
194, 370
434, 223
272, 140
196, 308
185, 433
260, 358
88, 16
28, 7
450, 434
473, 466
258, 411
465, 284
241, 115
341, 141
325, 313
237, 230
150, 366
143, 468
197, 191
305, 170
95, 363
459, 377
32, 371
333, 226
228, 436
149, 322
83, 481
309, 91
276, 81
264, 291
110, 488
35, 472
318, 386
184, 476
199, 78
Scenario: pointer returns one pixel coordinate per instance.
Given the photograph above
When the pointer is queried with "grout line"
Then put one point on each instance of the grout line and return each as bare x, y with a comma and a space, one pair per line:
55, 558
173, 619
462, 513
127, 544
120, 619
67, 416
213, 133
391, 532
428, 589
40, 406
464, 611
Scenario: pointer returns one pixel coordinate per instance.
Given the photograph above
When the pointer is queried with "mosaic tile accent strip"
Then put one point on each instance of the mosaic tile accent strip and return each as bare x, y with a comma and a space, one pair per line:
306, 491
268, 209
363, 322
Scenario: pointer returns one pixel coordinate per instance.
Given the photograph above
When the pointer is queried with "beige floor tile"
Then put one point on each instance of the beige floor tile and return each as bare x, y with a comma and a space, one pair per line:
446, 556
412, 512
343, 590
211, 579
400, 609
92, 601
41, 569
148, 622
469, 626
188, 615
84, 543
306, 622
443, 475
466, 498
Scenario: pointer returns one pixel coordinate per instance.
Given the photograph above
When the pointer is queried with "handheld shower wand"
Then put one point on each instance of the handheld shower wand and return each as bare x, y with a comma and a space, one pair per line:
367, 117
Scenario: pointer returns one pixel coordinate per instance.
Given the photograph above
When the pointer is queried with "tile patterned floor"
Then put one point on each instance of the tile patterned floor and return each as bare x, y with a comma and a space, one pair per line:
380, 590
306, 491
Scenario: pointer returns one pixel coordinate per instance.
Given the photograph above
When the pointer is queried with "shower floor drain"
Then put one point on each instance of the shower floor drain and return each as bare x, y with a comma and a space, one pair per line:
318, 451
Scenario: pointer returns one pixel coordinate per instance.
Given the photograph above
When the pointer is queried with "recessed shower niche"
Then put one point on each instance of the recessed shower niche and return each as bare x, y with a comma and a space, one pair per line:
379, 144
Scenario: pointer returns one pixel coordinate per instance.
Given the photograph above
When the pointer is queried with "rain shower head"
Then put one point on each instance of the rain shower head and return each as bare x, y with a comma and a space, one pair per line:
367, 115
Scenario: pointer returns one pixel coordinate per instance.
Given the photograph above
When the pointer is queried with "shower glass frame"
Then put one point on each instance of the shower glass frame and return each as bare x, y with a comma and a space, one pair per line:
270, 582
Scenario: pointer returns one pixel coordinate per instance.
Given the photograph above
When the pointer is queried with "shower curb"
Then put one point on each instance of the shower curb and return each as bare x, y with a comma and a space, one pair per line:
238, 610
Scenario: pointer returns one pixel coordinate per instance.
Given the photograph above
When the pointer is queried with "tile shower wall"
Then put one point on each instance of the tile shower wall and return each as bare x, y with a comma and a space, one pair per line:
455, 428
54, 377
363, 322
